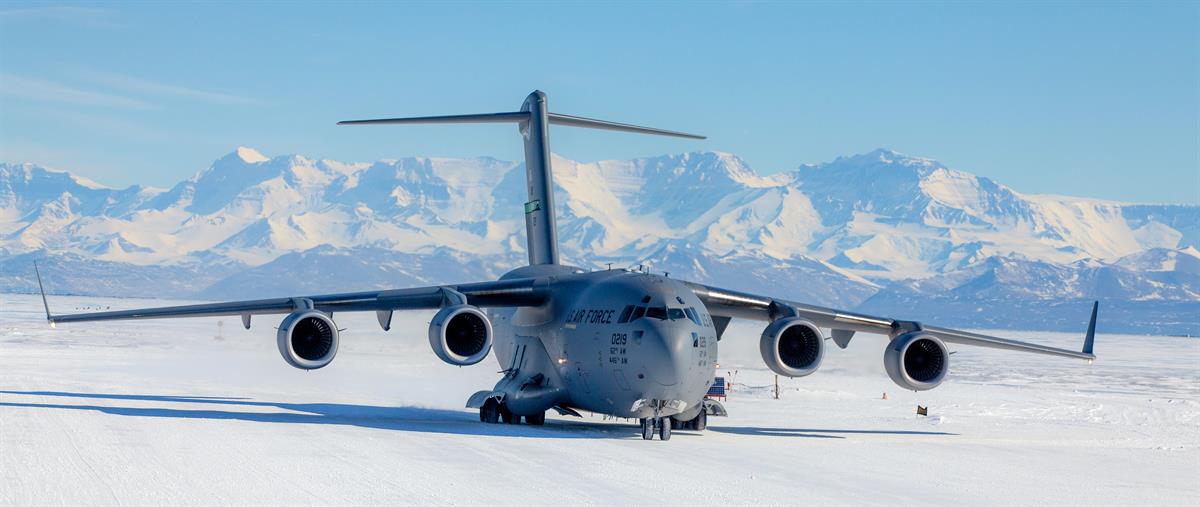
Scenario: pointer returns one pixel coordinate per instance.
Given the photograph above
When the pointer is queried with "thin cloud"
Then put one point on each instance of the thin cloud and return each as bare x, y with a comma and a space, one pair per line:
30, 88
116, 125
93, 17
143, 86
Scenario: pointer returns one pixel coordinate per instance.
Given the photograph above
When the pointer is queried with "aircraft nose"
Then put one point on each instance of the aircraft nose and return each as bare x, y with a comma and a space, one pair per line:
669, 347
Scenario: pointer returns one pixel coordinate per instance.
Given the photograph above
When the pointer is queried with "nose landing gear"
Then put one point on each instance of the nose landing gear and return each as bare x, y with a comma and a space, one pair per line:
660, 425
647, 428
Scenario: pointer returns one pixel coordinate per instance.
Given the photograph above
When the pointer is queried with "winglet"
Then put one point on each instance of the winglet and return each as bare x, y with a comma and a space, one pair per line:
1090, 339
43, 291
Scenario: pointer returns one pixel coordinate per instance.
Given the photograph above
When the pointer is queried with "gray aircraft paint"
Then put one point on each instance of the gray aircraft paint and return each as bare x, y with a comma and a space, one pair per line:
586, 358
558, 334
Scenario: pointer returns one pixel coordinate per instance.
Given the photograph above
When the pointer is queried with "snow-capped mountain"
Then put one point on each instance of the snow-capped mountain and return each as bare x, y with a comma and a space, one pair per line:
875, 227
1156, 291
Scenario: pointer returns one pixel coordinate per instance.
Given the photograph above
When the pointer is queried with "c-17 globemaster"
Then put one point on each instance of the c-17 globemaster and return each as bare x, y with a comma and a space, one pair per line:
619, 342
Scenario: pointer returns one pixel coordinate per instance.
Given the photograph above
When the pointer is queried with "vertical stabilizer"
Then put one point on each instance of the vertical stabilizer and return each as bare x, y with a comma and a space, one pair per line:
534, 121
540, 230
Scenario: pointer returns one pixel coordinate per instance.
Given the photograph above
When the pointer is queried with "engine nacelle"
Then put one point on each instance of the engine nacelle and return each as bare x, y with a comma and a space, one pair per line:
792, 347
916, 361
308, 339
460, 335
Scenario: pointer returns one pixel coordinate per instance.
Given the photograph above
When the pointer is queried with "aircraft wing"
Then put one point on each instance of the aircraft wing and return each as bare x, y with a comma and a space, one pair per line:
501, 293
733, 304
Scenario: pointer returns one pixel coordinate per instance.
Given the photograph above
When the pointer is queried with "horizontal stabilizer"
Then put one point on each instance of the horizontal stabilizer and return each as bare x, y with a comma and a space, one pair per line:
514, 117
579, 121
520, 116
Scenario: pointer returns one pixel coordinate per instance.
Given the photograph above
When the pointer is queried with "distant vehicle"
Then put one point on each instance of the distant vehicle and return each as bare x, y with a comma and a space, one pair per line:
625, 343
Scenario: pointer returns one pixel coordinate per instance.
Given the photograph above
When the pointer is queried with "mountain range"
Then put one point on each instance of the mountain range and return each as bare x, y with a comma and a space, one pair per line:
877, 232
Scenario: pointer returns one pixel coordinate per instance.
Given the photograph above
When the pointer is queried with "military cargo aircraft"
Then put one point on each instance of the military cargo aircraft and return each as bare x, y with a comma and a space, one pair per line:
625, 343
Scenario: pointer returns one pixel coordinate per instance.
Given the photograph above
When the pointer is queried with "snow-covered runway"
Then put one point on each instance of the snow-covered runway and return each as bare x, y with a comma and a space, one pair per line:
200, 411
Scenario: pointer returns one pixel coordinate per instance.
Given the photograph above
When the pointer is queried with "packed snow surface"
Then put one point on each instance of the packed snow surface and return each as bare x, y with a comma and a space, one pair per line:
201, 411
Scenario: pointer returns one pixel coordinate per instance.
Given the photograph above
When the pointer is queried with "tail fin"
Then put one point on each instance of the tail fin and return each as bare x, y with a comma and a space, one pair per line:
533, 121
41, 288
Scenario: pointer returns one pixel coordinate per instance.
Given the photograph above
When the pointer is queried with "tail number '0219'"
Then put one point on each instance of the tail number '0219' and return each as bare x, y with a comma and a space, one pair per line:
616, 352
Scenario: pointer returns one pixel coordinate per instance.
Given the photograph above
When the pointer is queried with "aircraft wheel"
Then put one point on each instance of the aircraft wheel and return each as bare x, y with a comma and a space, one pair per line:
647, 428
664, 428
508, 417
490, 412
701, 421
536, 420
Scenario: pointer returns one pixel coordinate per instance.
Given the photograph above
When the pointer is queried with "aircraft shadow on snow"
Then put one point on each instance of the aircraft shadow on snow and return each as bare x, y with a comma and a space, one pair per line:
417, 419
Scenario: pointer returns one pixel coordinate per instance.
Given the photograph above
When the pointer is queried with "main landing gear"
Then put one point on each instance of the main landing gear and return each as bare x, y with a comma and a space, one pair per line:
660, 425
698, 423
664, 425
492, 412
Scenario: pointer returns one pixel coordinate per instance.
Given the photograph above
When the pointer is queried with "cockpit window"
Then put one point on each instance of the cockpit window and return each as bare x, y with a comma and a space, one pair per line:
625, 314
632, 313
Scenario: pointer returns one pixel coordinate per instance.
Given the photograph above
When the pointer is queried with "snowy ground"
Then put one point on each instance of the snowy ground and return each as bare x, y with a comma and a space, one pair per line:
200, 411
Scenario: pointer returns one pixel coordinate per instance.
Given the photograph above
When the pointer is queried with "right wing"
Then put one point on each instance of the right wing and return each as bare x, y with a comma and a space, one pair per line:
500, 293
725, 303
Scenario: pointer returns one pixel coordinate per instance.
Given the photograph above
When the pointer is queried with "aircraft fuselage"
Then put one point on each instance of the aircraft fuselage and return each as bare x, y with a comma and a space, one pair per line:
617, 342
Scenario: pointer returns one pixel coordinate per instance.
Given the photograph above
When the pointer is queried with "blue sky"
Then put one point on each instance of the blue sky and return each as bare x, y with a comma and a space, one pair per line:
1090, 99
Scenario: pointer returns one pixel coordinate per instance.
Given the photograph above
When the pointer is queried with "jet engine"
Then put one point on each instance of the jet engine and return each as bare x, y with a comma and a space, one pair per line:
916, 361
460, 335
308, 339
792, 347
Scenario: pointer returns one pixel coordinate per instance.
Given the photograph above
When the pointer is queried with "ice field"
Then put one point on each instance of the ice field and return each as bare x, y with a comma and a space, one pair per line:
201, 411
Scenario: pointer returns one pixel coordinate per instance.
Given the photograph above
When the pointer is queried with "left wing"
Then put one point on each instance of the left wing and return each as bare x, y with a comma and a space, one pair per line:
501, 293
733, 304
